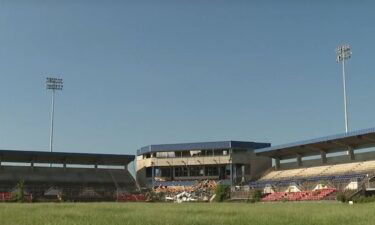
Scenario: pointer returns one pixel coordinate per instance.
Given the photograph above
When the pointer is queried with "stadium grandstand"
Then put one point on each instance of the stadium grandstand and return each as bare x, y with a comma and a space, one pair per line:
50, 176
316, 169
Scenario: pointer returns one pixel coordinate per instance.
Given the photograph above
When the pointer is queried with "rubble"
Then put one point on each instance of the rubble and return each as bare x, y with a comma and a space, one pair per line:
201, 191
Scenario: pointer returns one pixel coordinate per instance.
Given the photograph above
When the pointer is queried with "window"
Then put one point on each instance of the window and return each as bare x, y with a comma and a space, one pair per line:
157, 172
165, 155
212, 171
149, 172
165, 172
181, 171
196, 171
209, 153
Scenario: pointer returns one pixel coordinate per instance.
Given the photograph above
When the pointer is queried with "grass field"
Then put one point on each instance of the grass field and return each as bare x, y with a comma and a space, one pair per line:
189, 213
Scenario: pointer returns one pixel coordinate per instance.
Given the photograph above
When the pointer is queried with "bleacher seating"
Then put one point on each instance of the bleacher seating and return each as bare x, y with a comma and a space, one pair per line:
306, 178
316, 195
337, 171
131, 198
5, 196
306, 181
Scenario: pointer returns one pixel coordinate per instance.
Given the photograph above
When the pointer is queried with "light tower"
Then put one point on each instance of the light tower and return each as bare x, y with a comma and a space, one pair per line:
343, 53
54, 84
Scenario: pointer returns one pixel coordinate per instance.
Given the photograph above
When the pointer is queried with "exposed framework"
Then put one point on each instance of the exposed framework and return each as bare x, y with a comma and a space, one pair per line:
337, 143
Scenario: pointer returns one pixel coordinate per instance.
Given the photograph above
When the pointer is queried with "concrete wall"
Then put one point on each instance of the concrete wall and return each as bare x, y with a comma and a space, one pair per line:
259, 165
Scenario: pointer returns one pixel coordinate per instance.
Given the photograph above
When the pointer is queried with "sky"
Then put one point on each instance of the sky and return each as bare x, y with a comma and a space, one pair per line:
151, 72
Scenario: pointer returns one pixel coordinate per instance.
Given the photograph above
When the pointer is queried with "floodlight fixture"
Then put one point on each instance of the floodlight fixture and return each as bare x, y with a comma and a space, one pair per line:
54, 83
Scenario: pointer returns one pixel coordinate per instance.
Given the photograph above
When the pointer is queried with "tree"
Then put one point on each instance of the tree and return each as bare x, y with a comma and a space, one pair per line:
20, 192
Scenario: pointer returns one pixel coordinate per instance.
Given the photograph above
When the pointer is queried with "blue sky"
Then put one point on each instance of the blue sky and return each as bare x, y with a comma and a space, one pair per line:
149, 72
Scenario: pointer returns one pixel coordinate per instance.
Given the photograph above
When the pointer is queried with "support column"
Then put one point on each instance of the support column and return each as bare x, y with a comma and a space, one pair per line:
231, 173
243, 173
153, 176
277, 163
323, 156
64, 163
32, 163
299, 160
351, 153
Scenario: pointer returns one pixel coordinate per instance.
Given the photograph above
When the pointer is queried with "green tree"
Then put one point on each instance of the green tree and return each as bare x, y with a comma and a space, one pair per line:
20, 192
221, 192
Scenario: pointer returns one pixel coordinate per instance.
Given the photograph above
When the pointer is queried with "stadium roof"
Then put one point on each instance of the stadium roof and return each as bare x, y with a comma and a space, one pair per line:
202, 146
17, 156
329, 144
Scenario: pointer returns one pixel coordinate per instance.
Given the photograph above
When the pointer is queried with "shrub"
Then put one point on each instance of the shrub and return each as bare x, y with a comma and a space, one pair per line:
251, 200
341, 197
257, 195
364, 199
221, 192
152, 196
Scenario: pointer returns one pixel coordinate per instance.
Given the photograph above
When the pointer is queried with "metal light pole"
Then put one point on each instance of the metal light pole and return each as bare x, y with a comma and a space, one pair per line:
54, 84
343, 53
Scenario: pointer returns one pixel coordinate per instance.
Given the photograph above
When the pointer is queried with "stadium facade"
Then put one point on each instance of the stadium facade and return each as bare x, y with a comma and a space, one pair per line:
227, 161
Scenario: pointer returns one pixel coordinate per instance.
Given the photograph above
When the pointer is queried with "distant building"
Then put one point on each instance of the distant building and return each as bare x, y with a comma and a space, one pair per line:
233, 162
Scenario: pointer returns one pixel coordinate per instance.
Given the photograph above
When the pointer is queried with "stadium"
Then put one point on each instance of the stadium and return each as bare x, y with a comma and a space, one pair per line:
310, 170
187, 112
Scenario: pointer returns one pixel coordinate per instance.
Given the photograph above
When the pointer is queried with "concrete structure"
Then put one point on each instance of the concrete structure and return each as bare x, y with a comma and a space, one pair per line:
77, 176
230, 161
337, 162
326, 148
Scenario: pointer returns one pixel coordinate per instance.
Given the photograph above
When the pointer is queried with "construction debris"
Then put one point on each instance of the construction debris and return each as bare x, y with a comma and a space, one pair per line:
200, 191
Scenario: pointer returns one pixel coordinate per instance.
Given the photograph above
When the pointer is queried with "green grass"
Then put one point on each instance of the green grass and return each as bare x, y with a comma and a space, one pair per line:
188, 213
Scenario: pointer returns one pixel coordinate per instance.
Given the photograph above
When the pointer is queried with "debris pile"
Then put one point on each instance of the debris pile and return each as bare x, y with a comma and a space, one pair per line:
200, 191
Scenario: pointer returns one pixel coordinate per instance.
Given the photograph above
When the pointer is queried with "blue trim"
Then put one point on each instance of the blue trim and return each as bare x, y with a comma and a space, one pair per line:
201, 146
317, 140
